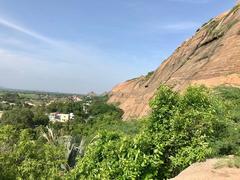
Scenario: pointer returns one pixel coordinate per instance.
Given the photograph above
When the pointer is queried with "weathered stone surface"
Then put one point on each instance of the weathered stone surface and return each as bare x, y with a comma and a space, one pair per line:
208, 170
210, 57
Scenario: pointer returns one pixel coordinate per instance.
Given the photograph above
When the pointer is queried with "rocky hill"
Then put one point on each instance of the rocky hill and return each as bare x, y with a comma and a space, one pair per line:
211, 57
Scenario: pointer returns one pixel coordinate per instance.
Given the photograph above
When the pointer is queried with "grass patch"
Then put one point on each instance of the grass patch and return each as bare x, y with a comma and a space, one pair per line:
216, 28
238, 33
231, 97
30, 95
215, 32
229, 93
234, 9
149, 75
231, 162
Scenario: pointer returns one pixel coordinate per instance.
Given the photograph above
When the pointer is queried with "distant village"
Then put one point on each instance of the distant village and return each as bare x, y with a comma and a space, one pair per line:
13, 100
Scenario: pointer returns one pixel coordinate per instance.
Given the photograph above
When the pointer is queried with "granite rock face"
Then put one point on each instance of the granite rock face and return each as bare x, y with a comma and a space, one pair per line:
211, 57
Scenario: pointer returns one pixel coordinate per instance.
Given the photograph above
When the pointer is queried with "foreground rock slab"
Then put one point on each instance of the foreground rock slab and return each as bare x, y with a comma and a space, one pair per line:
207, 171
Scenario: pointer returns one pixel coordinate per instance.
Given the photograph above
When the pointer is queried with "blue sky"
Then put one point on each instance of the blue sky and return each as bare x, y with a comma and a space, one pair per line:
91, 45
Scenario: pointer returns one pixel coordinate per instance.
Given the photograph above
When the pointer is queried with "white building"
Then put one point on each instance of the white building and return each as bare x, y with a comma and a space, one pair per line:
29, 103
76, 99
59, 117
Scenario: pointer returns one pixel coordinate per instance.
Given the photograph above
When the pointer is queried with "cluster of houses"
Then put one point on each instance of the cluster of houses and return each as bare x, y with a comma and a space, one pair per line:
76, 98
59, 117
5, 102
29, 103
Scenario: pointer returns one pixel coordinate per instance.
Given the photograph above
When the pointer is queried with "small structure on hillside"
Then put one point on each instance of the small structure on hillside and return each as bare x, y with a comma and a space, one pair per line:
59, 117
1, 113
76, 98
30, 103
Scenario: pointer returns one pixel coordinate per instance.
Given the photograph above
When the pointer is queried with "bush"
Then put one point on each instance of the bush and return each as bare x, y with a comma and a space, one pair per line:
227, 136
21, 117
177, 134
181, 129
24, 118
24, 157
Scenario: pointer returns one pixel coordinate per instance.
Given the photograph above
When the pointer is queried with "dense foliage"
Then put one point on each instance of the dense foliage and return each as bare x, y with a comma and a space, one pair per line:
178, 133
24, 156
24, 118
34, 148
181, 129
228, 141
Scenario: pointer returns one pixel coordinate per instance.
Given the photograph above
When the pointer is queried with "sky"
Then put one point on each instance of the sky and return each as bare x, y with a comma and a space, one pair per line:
79, 46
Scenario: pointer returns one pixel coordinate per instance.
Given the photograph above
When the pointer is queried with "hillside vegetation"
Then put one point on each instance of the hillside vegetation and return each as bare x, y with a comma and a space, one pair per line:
181, 129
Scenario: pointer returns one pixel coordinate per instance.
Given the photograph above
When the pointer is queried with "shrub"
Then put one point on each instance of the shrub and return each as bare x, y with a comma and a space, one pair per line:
177, 134
28, 158
21, 117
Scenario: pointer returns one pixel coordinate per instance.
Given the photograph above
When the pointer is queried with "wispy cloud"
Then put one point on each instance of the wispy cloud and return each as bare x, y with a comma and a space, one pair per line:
16, 27
55, 65
180, 26
172, 27
54, 49
192, 1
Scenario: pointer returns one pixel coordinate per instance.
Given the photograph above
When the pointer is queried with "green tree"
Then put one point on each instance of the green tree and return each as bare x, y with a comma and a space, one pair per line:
178, 133
21, 117
8, 138
22, 156
40, 118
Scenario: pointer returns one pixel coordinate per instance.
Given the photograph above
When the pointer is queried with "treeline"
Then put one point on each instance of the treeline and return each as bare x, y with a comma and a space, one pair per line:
181, 129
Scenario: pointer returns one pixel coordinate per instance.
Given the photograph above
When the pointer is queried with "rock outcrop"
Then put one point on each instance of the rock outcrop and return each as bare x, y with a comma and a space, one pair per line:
210, 169
211, 57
